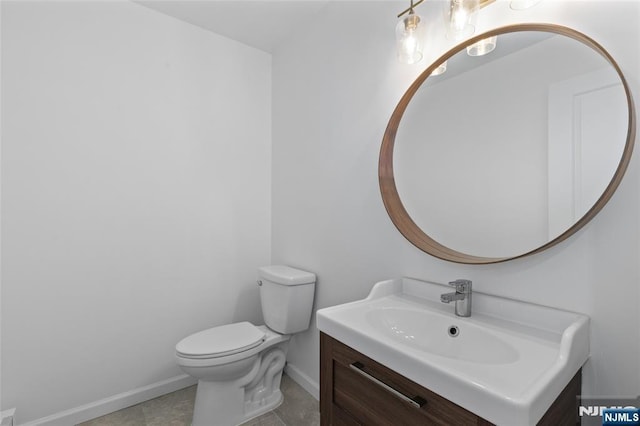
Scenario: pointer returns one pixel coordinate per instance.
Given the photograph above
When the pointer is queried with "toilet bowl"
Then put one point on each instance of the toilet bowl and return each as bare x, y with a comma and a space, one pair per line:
239, 366
237, 386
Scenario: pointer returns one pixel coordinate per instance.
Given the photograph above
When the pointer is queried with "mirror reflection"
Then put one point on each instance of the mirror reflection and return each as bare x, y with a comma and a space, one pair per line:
505, 152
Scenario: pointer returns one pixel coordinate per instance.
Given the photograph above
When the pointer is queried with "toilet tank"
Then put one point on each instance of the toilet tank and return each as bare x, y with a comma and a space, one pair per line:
286, 295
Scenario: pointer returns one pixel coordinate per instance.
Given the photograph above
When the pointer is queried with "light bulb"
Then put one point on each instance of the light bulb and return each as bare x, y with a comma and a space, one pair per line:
409, 39
460, 16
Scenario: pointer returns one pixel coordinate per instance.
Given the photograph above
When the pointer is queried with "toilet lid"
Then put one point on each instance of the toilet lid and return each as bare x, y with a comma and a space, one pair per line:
221, 341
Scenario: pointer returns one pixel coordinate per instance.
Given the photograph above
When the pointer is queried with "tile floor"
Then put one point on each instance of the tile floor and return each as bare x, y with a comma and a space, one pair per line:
176, 409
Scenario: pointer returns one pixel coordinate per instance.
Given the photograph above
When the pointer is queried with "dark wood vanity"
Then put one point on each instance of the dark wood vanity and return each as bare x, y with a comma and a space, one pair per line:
356, 390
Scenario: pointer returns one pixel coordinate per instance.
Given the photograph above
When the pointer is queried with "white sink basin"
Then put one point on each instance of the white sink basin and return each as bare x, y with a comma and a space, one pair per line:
506, 363
460, 340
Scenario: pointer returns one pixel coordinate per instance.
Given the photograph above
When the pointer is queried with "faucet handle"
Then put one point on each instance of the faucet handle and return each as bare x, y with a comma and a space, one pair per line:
462, 286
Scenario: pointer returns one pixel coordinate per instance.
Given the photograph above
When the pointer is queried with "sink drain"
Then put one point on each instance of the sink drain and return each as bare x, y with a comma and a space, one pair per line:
453, 331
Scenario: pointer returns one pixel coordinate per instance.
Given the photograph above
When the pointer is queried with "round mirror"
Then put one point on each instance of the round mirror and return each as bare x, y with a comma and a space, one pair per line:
508, 153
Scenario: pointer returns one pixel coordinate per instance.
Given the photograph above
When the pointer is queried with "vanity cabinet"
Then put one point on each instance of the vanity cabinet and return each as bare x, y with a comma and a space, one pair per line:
356, 390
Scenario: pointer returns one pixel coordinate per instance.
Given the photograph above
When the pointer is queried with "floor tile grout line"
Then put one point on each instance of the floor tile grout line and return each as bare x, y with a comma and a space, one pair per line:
279, 418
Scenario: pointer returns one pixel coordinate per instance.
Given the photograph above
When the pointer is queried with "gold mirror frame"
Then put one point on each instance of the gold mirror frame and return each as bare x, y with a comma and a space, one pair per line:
391, 198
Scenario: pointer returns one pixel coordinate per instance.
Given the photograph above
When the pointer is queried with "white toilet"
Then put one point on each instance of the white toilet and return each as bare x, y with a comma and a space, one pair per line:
239, 366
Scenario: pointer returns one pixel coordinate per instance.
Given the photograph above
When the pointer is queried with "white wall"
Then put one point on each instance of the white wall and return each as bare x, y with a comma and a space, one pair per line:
1, 126
135, 195
335, 87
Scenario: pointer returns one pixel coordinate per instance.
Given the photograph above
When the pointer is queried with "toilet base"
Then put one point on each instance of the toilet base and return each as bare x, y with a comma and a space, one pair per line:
230, 403
219, 407
274, 402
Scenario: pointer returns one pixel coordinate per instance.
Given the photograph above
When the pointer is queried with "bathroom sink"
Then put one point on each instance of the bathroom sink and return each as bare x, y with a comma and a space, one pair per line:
439, 335
506, 363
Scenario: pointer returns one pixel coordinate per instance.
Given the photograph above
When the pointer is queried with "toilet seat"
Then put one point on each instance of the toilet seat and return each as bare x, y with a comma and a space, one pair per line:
221, 341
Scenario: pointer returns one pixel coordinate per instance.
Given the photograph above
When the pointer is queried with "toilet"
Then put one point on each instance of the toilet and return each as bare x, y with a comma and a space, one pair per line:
239, 365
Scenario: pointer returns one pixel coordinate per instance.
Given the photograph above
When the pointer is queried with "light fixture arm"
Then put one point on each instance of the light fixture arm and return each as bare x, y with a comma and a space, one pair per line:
483, 3
410, 8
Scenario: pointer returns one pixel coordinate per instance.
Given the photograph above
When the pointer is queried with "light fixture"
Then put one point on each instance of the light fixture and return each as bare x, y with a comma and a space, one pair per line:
482, 47
460, 21
410, 35
460, 18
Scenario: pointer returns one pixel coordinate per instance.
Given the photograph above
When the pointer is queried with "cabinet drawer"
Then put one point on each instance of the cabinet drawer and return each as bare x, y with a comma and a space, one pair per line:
356, 390
376, 395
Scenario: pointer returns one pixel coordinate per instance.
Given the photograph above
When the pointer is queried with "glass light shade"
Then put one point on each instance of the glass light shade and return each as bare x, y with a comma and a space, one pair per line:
460, 18
410, 38
441, 69
482, 47
523, 4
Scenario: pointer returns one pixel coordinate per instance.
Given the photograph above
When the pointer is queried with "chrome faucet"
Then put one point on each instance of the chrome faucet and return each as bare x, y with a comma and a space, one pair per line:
462, 297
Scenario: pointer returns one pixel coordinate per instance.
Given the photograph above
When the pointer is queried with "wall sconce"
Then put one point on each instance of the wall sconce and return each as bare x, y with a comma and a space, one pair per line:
410, 35
460, 20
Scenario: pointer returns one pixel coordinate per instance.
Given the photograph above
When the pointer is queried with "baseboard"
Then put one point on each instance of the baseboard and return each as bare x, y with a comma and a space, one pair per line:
303, 380
127, 399
113, 403
7, 416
